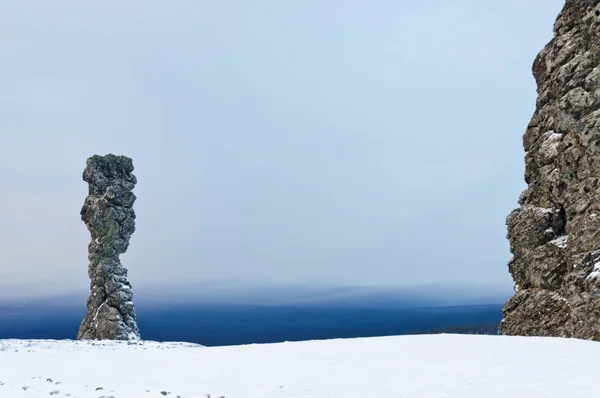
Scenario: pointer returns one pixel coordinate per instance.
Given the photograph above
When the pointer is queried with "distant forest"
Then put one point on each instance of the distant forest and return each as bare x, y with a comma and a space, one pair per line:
491, 328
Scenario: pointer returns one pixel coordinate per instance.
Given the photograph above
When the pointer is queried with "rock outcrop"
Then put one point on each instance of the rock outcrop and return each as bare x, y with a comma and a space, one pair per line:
555, 233
109, 216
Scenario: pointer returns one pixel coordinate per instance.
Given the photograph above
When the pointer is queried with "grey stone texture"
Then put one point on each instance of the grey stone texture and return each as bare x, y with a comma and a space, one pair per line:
555, 233
108, 214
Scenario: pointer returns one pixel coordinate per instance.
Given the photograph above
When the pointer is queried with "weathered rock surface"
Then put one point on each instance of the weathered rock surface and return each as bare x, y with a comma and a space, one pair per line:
555, 233
109, 216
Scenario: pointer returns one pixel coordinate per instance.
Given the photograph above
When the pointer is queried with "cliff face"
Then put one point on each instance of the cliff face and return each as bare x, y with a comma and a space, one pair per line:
109, 216
555, 233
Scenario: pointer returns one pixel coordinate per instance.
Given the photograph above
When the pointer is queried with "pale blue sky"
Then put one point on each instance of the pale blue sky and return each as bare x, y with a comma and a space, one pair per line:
342, 142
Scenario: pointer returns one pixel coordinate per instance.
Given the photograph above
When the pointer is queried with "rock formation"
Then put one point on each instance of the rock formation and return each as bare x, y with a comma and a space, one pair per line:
109, 216
555, 233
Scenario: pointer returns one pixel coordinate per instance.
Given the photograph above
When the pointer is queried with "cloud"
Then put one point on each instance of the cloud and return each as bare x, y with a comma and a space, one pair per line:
273, 141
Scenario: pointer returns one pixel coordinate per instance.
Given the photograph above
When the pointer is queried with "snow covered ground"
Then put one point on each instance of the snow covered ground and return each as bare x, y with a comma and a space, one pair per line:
457, 366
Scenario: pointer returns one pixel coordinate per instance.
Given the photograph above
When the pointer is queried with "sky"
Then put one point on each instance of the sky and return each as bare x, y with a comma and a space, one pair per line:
274, 142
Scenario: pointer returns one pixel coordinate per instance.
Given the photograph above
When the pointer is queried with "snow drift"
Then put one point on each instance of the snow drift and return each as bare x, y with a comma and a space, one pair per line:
403, 366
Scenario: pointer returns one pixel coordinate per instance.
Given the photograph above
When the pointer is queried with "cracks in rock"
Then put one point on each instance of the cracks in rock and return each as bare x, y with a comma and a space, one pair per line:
563, 216
555, 297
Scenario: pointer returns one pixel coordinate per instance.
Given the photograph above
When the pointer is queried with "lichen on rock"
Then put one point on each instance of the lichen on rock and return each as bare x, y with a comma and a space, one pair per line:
109, 216
555, 233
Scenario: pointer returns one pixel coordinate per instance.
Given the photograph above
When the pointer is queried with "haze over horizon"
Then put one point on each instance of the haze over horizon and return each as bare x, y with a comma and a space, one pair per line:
274, 143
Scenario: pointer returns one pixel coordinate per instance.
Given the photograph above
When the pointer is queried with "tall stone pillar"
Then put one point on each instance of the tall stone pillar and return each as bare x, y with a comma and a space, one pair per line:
109, 216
